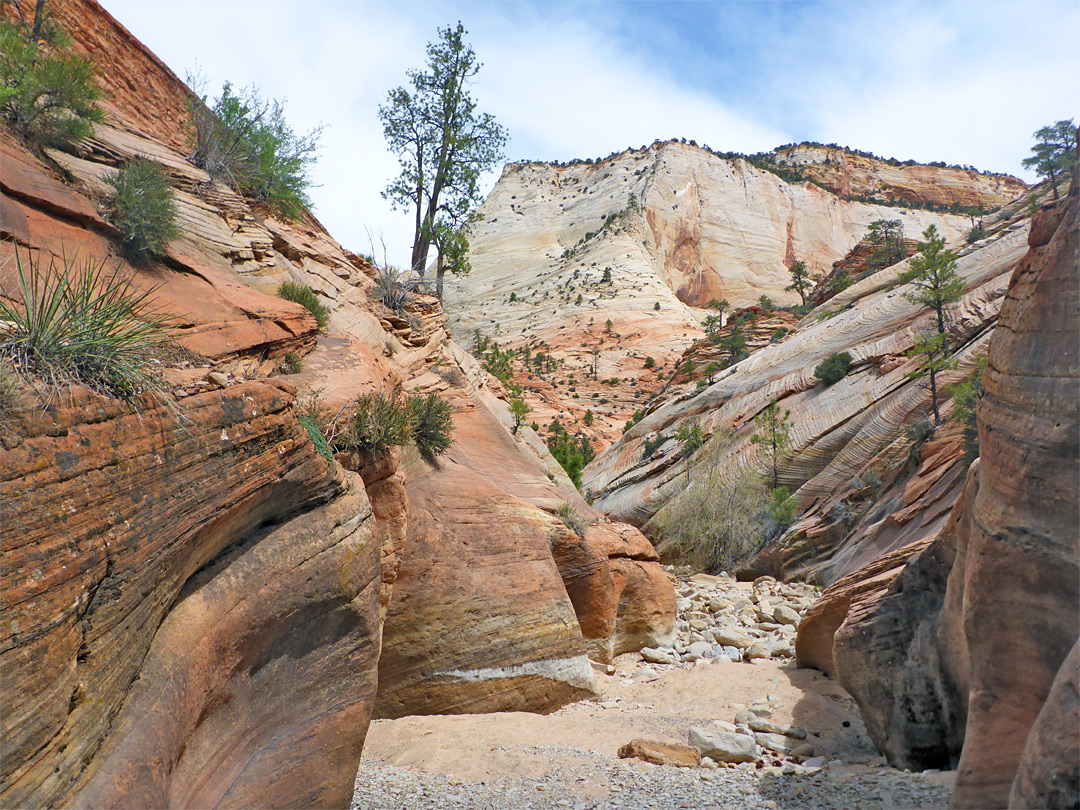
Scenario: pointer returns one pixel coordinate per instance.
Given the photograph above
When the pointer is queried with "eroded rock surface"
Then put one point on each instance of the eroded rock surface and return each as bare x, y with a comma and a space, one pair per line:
141, 504
963, 648
643, 240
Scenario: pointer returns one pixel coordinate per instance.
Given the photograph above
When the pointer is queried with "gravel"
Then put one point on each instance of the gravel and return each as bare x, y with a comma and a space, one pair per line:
595, 782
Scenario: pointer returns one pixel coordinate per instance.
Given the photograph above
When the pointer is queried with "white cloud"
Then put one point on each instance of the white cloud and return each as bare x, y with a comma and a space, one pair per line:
961, 82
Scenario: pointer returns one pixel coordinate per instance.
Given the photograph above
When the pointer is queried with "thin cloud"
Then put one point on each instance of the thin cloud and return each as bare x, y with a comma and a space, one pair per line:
956, 81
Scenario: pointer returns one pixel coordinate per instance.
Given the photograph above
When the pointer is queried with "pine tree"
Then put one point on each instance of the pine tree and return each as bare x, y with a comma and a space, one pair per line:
1054, 153
800, 280
774, 433
935, 286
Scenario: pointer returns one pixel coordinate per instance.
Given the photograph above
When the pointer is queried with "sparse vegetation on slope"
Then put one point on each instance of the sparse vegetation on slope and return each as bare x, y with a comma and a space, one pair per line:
244, 140
305, 296
143, 208
48, 94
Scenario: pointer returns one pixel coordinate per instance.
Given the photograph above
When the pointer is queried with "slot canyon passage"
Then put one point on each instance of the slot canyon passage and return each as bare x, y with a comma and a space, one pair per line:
708, 480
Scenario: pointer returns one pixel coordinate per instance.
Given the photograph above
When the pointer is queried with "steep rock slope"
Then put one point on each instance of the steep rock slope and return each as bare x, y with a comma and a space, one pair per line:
984, 618
115, 525
673, 226
838, 430
177, 698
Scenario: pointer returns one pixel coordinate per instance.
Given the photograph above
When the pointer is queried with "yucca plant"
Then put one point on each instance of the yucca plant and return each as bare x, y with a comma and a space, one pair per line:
79, 323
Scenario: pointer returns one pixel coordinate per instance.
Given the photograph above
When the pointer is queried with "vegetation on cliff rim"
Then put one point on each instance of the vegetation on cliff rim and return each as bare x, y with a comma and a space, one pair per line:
305, 296
143, 207
48, 92
1054, 153
443, 146
244, 140
376, 422
80, 324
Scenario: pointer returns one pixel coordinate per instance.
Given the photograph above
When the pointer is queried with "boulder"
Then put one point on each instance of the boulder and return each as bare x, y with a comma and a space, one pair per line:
659, 753
479, 620
723, 746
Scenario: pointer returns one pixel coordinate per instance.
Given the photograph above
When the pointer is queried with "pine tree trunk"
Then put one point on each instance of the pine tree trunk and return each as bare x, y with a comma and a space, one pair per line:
39, 15
933, 395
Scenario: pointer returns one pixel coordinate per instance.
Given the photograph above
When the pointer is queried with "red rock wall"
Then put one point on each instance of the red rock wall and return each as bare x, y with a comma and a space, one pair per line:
964, 647
1021, 595
107, 516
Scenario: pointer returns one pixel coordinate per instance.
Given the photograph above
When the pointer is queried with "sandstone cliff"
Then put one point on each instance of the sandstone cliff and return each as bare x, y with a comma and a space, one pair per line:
840, 430
200, 617
985, 616
644, 240
850, 173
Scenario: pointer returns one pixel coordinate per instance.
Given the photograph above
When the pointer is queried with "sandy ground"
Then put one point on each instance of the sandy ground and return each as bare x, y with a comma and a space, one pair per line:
476, 748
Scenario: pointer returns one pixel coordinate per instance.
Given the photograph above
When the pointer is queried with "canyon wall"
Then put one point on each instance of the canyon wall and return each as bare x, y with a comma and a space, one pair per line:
839, 431
604, 265
985, 617
847, 173
197, 605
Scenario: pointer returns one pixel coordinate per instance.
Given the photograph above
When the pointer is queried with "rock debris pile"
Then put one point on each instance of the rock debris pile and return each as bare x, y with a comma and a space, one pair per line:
719, 619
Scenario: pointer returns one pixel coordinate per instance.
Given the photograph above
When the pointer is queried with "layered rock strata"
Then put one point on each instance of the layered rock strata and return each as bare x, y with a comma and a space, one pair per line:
165, 665
604, 265
838, 430
985, 617
152, 567
848, 173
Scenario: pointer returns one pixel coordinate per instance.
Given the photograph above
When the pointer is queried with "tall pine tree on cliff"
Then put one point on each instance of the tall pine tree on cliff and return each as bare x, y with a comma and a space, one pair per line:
443, 145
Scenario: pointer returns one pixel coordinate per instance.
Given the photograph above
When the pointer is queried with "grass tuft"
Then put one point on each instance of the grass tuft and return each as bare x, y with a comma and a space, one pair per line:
80, 324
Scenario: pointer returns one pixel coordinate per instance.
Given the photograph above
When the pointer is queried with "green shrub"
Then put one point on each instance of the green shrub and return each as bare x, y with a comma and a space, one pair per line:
244, 140
572, 452
81, 324
48, 95
965, 394
650, 445
375, 423
656, 306
692, 437
782, 508
766, 304
431, 423
290, 364
143, 207
571, 519
639, 414
833, 368
975, 234
588, 417
650, 362
305, 296
778, 335
719, 520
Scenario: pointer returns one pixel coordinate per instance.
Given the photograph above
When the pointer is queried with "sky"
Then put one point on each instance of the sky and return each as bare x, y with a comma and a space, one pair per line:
961, 81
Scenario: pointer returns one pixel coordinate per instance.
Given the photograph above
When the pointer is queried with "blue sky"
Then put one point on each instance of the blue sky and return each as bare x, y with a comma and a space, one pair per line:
964, 81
